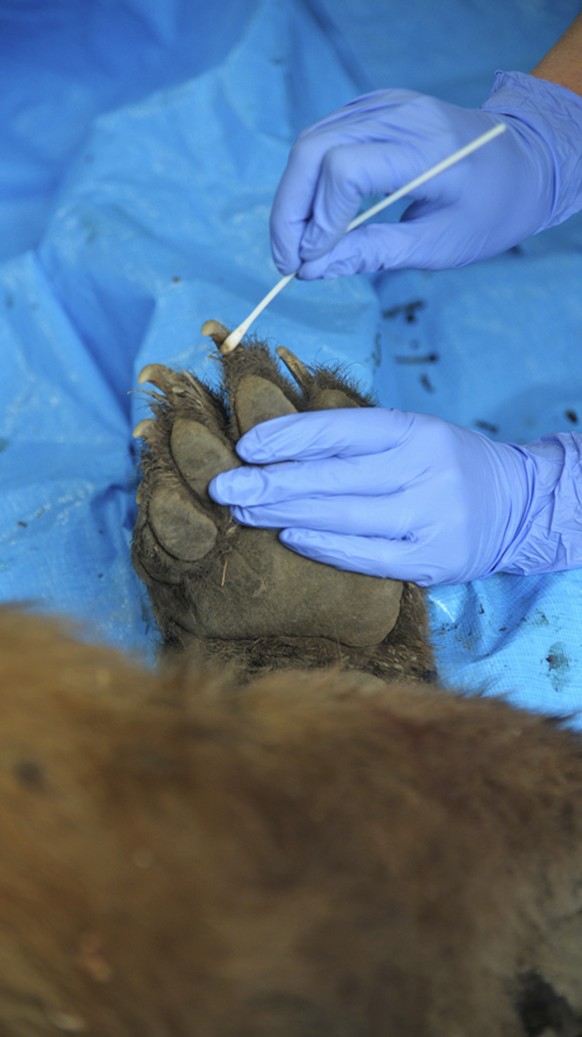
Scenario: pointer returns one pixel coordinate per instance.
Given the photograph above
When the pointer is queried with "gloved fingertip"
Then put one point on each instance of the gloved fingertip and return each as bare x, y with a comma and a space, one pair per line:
308, 253
285, 257
226, 488
286, 266
242, 515
322, 269
316, 244
292, 539
251, 449
310, 271
216, 488
270, 441
298, 539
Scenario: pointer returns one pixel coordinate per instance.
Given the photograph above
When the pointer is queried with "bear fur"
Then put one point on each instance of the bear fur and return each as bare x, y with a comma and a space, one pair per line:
304, 857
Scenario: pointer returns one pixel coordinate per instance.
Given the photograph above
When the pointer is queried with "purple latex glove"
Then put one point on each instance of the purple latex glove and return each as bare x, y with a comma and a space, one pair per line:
412, 497
527, 179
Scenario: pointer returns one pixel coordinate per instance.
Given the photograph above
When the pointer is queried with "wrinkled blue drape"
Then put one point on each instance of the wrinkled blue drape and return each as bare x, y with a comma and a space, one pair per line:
141, 142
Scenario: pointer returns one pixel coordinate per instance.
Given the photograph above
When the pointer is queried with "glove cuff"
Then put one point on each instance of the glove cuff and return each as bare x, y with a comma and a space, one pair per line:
554, 113
550, 536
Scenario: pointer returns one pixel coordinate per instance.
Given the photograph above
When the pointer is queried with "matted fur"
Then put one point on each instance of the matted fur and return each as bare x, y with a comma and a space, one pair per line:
180, 858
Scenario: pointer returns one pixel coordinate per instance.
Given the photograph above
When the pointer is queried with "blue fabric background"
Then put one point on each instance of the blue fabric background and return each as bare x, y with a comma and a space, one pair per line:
141, 142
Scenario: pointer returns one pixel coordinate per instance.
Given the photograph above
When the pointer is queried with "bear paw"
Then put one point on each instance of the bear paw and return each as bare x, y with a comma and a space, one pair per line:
236, 592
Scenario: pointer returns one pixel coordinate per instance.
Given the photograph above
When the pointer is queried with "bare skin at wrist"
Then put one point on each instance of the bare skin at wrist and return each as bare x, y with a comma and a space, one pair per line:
563, 63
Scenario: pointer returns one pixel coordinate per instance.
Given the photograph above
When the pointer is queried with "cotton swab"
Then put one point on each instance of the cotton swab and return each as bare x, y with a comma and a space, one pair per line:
232, 340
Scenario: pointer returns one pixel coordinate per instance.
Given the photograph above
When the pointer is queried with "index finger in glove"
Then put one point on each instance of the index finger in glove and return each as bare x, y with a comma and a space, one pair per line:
326, 433
369, 476
293, 201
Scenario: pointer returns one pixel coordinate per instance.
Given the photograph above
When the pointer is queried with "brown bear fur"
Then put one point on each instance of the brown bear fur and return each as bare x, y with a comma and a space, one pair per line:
304, 858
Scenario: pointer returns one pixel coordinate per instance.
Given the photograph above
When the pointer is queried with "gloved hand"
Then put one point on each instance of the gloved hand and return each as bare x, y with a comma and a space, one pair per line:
527, 179
409, 496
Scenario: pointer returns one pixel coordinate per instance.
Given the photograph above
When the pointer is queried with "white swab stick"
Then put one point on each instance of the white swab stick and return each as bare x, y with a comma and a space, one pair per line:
232, 340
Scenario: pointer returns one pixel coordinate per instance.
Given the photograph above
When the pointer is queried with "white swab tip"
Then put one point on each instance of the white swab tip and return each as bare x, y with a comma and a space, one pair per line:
231, 342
